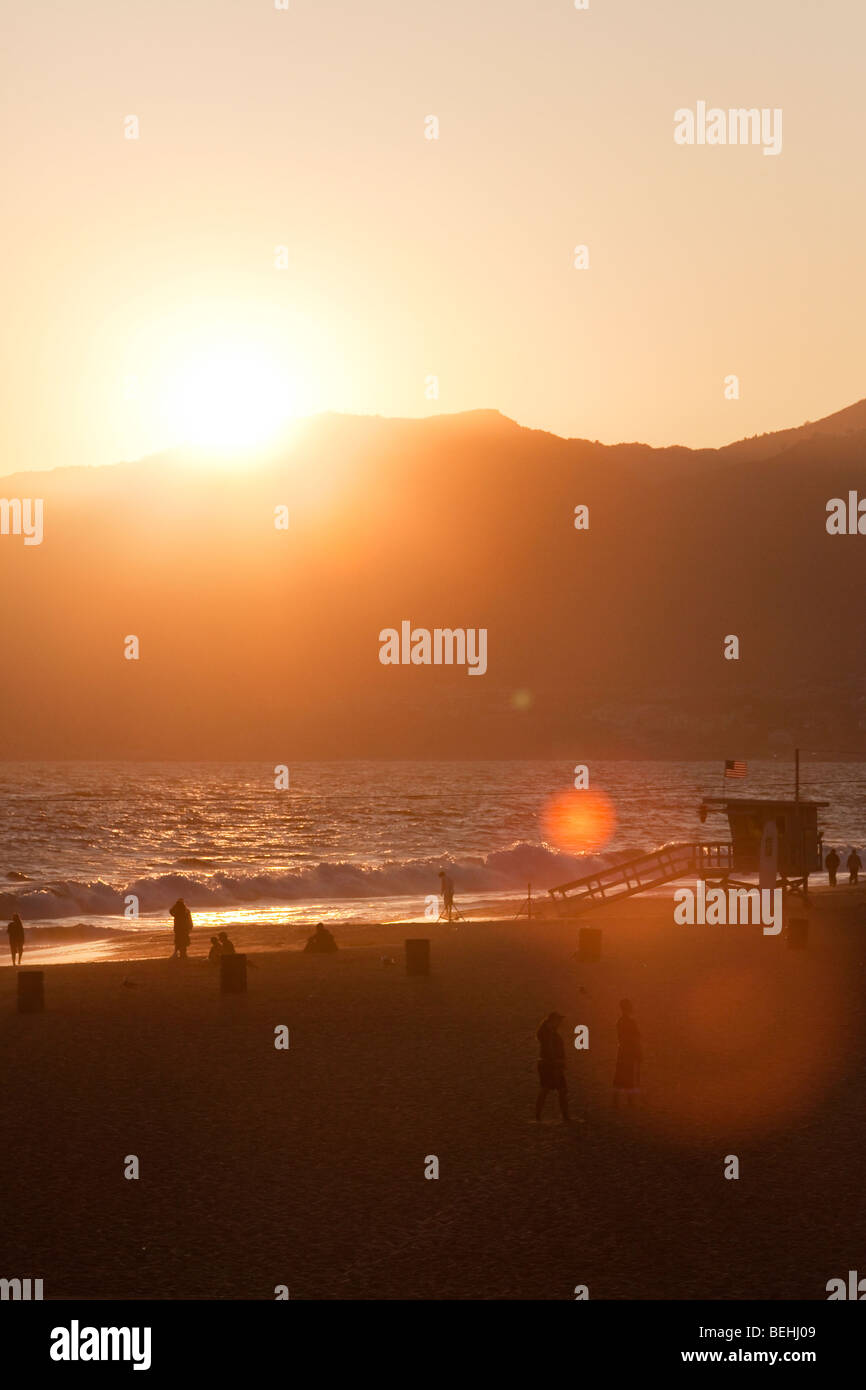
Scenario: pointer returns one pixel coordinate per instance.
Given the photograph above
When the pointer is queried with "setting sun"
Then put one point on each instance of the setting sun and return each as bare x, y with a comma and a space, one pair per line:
231, 399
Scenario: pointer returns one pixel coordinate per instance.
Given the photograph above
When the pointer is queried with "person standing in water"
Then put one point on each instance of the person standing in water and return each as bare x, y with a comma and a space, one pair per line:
15, 932
629, 1055
182, 928
551, 1066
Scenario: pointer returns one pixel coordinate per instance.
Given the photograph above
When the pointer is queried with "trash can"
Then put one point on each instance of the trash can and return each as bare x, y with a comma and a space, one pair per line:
418, 956
233, 974
589, 944
31, 991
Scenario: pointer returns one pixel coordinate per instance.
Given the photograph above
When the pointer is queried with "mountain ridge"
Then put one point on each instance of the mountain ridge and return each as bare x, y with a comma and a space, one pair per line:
849, 420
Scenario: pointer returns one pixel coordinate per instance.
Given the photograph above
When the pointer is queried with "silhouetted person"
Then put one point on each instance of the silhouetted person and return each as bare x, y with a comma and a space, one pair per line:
321, 942
216, 950
447, 886
182, 928
832, 863
551, 1066
626, 1079
226, 946
853, 864
15, 932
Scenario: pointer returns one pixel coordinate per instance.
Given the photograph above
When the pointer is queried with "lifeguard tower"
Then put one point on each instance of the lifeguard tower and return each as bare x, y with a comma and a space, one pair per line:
791, 827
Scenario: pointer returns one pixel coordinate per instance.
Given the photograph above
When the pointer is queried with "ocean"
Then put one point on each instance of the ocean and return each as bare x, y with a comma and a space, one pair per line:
347, 841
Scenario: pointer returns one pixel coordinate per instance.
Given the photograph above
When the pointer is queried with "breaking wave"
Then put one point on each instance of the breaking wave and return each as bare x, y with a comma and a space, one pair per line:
77, 933
507, 870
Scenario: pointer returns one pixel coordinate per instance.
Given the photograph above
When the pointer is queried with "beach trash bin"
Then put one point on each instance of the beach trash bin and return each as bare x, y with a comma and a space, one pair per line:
797, 933
31, 991
418, 956
589, 943
233, 974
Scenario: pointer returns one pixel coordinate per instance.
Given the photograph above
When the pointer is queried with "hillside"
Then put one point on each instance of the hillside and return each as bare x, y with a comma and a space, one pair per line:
606, 642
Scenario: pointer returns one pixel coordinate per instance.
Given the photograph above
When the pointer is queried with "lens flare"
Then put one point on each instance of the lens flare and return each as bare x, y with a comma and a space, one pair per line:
579, 821
745, 1044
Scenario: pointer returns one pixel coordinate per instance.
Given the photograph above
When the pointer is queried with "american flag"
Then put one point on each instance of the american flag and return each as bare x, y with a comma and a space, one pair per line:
734, 768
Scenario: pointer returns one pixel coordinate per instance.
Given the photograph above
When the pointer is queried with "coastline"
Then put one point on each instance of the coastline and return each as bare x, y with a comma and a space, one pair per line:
258, 928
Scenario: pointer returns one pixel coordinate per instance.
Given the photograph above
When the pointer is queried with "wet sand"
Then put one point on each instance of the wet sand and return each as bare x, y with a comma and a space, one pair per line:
306, 1167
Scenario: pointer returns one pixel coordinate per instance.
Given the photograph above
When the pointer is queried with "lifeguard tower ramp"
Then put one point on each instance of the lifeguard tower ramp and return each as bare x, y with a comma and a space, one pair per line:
712, 861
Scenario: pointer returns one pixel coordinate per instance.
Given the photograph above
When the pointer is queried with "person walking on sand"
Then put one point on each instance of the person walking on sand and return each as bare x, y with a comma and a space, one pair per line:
15, 932
182, 928
853, 864
447, 889
551, 1066
832, 863
626, 1079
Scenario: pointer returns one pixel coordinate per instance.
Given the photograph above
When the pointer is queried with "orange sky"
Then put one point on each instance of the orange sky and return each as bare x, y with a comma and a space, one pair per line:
130, 267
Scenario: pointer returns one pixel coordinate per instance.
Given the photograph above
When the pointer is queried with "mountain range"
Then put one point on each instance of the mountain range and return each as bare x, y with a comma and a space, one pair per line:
609, 641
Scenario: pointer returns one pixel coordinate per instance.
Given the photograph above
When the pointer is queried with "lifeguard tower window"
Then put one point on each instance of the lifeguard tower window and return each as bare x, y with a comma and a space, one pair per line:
796, 826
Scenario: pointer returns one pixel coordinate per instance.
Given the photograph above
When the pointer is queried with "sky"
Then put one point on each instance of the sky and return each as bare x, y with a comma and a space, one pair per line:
144, 306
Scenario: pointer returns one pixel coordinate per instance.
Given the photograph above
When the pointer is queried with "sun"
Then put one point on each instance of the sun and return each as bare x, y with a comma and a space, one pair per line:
231, 398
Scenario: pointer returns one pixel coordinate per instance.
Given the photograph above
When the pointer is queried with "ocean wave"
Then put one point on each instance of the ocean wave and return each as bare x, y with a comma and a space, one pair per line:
506, 870
80, 931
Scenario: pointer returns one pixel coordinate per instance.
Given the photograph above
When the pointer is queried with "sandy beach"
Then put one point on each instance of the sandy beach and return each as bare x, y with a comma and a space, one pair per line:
305, 1167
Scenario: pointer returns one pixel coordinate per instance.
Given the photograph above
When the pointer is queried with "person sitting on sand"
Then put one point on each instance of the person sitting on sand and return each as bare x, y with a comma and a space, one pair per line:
182, 928
15, 932
321, 942
551, 1066
222, 946
853, 864
626, 1079
832, 863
